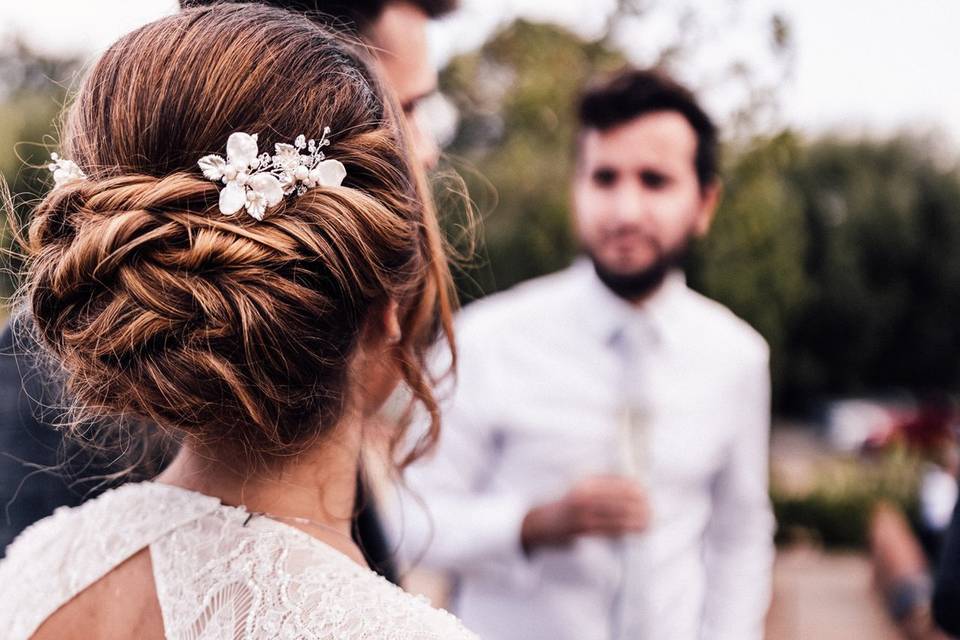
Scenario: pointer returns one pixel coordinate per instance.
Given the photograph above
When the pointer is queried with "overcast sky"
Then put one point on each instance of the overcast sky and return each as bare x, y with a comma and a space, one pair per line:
860, 66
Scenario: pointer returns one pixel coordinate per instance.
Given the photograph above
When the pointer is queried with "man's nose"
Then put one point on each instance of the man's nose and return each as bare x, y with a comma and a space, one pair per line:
629, 204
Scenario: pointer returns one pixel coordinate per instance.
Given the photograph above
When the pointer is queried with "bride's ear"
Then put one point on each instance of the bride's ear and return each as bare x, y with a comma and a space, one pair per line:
391, 323
376, 370
383, 325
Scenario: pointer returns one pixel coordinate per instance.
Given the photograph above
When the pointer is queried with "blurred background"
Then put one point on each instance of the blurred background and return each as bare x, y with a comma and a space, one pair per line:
836, 238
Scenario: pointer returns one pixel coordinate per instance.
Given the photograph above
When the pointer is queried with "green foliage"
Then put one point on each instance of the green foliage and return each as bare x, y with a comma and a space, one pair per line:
28, 117
753, 258
837, 508
516, 97
883, 224
32, 99
841, 255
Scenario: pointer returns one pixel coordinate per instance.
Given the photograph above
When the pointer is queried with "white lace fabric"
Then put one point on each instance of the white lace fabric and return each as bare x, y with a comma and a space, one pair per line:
219, 574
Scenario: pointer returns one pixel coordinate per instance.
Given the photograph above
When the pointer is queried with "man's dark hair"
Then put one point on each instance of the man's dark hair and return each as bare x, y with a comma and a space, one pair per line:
349, 15
630, 93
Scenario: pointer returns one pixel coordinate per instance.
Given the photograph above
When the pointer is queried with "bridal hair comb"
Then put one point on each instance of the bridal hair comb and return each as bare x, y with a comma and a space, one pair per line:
252, 180
64, 171
260, 181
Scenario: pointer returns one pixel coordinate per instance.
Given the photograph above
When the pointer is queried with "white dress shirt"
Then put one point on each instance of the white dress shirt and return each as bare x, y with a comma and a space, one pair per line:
538, 406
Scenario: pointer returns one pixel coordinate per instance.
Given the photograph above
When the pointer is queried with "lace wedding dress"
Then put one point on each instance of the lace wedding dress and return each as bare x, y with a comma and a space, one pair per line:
220, 573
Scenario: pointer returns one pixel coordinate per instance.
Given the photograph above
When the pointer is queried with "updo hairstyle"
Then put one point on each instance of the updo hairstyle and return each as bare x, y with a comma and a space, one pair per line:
224, 329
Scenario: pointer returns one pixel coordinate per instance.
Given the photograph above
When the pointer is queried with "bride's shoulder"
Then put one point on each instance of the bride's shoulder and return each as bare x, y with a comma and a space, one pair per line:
307, 588
58, 557
392, 612
289, 583
121, 518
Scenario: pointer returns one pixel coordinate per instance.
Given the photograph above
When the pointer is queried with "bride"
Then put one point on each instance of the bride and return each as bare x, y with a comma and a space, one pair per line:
237, 251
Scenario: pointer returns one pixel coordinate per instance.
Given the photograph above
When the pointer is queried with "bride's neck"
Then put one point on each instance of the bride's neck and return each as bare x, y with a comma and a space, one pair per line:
317, 487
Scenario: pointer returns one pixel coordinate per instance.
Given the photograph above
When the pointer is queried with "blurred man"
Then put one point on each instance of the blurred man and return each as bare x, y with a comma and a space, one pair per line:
603, 467
38, 471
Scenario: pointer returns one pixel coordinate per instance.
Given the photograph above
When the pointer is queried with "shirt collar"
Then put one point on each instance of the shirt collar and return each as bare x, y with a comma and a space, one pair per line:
604, 313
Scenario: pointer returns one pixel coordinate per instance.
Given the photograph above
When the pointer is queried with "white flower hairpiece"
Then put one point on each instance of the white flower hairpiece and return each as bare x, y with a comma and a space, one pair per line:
260, 181
251, 180
64, 171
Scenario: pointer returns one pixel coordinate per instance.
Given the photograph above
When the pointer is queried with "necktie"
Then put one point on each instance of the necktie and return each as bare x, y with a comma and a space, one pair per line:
633, 343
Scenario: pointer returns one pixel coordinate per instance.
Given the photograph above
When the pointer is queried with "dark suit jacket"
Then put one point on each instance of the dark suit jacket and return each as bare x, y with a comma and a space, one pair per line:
37, 469
40, 470
946, 595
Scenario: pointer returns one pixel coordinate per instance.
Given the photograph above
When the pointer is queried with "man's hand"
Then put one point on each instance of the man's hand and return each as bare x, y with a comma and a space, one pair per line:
597, 506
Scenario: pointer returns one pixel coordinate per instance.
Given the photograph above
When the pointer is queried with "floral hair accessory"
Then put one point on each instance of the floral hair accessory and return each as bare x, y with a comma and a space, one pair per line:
261, 181
64, 171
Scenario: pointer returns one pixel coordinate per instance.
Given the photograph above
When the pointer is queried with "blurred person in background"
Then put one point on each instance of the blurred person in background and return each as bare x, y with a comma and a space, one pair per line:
396, 33
904, 548
946, 595
946, 587
603, 473
39, 470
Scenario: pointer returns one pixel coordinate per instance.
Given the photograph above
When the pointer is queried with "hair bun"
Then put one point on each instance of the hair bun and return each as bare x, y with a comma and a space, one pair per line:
87, 233
153, 307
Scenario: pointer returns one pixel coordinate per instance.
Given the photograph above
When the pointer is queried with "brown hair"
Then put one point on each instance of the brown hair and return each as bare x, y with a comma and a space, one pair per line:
233, 331
355, 16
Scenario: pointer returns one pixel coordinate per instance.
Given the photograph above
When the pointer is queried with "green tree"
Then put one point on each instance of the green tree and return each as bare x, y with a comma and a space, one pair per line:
753, 259
842, 254
884, 222
516, 98
32, 91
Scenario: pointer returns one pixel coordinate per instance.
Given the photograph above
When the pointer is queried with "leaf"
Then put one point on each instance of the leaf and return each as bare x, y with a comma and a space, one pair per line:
256, 207
212, 166
285, 149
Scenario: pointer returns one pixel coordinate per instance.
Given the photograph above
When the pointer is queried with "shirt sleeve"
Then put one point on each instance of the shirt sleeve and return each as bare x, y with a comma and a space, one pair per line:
738, 549
450, 517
